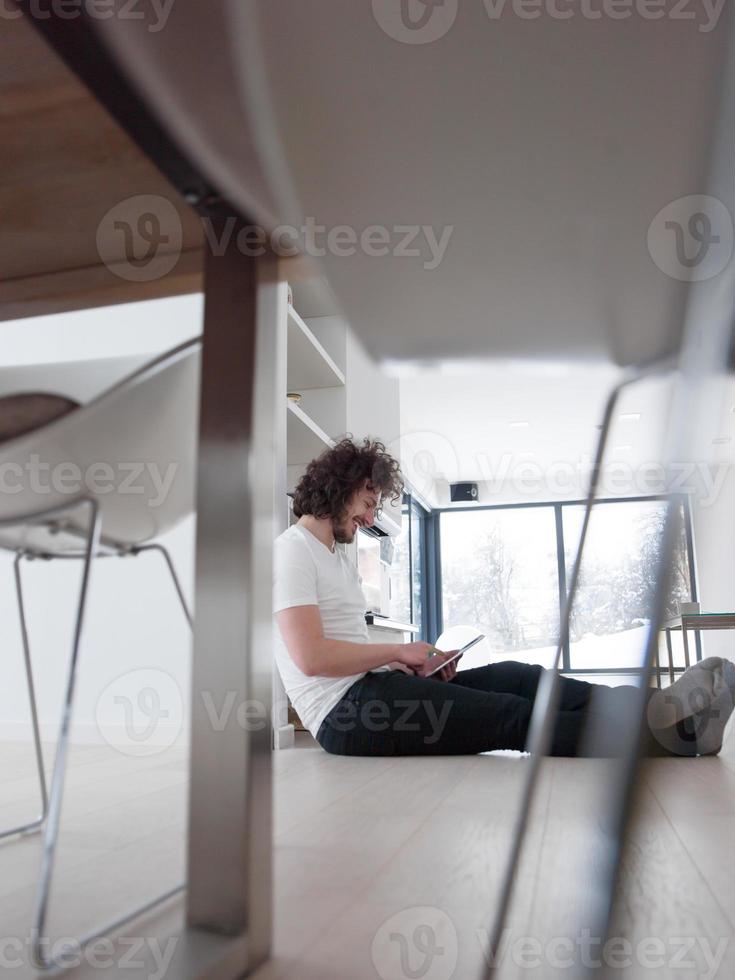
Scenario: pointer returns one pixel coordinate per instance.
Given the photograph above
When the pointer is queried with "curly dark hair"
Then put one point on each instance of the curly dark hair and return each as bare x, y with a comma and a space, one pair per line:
332, 478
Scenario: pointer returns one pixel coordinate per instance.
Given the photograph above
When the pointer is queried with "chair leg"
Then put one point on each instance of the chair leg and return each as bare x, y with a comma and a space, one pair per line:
174, 577
686, 645
57, 781
39, 941
34, 825
670, 654
547, 697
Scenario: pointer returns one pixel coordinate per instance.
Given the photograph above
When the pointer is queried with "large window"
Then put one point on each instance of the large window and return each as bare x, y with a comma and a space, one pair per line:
400, 574
618, 577
499, 574
416, 527
407, 567
504, 571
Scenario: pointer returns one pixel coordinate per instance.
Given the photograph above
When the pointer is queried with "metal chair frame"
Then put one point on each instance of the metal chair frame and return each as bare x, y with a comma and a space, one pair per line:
546, 703
49, 819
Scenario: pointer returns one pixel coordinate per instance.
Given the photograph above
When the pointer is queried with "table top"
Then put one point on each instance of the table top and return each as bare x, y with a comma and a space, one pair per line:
702, 621
73, 180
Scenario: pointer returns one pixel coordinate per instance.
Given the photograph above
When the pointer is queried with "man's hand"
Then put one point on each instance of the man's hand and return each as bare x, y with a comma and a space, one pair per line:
414, 655
446, 673
397, 665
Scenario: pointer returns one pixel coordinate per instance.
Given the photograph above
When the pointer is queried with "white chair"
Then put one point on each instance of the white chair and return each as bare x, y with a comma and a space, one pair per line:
85, 486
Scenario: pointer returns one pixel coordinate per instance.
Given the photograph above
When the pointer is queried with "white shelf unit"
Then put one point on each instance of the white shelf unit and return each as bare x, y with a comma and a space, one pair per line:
342, 391
314, 373
309, 364
306, 439
310, 367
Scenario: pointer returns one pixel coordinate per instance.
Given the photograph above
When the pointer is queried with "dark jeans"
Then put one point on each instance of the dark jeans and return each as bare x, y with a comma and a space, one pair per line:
393, 713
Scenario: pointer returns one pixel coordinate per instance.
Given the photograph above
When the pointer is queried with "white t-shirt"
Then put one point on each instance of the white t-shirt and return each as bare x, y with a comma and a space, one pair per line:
307, 573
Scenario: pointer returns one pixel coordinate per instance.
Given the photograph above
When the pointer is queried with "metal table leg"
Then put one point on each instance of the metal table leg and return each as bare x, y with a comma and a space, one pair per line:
230, 845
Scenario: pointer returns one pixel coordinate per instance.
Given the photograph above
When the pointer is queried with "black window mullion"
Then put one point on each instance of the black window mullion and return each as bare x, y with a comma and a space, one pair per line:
407, 499
433, 618
562, 572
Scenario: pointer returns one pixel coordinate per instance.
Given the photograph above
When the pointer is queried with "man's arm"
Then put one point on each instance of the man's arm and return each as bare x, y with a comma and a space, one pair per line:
315, 655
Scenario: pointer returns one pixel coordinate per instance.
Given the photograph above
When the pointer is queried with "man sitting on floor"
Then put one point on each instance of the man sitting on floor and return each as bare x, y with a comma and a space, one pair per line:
362, 698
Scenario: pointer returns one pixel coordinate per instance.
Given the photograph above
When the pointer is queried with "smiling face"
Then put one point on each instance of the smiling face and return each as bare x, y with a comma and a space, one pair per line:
359, 512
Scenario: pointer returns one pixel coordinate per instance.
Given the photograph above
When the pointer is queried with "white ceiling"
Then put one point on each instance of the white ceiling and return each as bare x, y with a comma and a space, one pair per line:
459, 425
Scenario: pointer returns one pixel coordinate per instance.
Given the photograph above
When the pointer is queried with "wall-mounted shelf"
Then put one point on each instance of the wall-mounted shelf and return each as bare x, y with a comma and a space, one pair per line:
387, 524
381, 623
313, 297
306, 439
309, 364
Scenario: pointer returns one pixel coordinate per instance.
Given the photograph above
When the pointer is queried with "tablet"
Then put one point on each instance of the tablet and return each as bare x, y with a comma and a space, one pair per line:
456, 656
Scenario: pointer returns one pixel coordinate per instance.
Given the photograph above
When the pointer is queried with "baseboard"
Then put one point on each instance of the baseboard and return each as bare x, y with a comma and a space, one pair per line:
283, 737
90, 734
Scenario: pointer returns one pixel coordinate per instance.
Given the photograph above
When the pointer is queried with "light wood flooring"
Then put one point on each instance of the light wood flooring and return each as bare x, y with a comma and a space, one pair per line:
371, 850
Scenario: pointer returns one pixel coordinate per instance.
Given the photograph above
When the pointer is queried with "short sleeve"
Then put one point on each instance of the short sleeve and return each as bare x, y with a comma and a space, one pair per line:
294, 576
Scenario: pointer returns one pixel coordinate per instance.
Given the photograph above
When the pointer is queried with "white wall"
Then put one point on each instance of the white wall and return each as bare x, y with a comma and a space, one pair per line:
135, 631
113, 331
373, 406
714, 545
135, 635
373, 399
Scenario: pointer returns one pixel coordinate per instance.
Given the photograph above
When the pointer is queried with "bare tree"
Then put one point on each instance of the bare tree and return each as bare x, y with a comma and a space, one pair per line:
480, 590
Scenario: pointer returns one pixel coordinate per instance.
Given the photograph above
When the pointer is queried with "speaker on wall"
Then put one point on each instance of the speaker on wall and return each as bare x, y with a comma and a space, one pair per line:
462, 492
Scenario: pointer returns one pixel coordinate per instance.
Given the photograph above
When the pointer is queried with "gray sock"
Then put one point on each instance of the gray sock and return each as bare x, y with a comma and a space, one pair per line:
711, 722
694, 711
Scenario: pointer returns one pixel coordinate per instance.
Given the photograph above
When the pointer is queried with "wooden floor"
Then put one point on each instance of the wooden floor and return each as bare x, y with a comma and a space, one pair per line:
376, 859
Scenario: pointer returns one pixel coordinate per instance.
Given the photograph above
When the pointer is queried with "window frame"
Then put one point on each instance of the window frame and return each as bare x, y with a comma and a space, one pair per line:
411, 507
